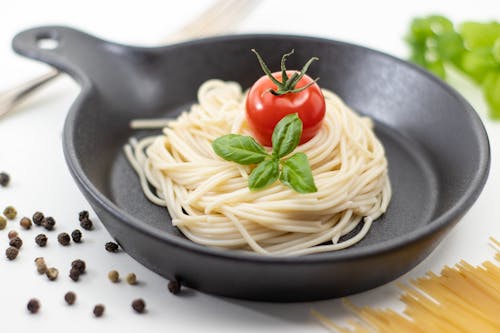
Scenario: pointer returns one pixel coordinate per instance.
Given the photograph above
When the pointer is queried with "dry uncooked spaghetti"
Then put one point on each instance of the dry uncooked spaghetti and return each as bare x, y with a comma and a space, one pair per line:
463, 298
209, 200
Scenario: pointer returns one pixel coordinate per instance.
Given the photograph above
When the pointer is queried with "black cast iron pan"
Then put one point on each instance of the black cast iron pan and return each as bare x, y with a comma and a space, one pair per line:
437, 149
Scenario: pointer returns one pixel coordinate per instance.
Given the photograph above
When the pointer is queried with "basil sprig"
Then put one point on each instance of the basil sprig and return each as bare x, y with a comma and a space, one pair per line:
295, 171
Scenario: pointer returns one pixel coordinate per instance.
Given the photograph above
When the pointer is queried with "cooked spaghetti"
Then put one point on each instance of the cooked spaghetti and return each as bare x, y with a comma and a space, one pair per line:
209, 200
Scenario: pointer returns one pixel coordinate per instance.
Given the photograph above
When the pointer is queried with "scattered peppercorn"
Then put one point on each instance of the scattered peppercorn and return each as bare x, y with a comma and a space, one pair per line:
41, 266
174, 287
99, 310
33, 305
63, 239
74, 274
52, 273
138, 305
16, 242
48, 223
131, 279
10, 212
111, 247
3, 222
83, 215
11, 253
86, 224
70, 297
41, 240
25, 223
38, 218
11, 233
76, 235
114, 276
4, 179
79, 265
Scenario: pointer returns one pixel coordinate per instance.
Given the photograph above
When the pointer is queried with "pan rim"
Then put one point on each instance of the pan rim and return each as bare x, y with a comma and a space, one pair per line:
447, 218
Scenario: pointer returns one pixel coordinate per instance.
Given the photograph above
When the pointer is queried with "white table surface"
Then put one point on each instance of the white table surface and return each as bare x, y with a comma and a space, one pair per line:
30, 150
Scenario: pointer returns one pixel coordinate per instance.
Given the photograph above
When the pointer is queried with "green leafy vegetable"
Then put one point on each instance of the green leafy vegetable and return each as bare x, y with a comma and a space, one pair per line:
286, 135
295, 171
264, 174
240, 149
473, 49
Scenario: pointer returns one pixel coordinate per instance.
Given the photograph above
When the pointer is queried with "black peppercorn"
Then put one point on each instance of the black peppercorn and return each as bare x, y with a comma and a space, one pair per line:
174, 287
38, 218
79, 265
63, 239
48, 223
3, 222
11, 253
138, 305
12, 233
10, 212
41, 240
74, 274
4, 179
99, 310
70, 297
33, 305
25, 223
86, 224
111, 247
83, 215
16, 242
76, 235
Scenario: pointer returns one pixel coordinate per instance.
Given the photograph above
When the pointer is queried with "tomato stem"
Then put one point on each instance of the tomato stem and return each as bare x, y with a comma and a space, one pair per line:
287, 85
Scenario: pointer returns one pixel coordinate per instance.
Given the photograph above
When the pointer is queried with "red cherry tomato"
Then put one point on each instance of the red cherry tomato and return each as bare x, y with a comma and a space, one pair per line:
264, 109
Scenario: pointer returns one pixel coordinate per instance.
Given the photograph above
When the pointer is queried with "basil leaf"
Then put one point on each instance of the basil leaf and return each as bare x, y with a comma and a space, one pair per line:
264, 174
286, 135
296, 173
240, 149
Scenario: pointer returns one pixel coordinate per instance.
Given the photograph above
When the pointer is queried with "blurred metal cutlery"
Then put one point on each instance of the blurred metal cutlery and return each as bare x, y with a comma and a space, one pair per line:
216, 19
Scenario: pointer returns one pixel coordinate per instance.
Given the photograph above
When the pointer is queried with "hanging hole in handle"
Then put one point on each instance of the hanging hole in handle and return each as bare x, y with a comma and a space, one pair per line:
47, 40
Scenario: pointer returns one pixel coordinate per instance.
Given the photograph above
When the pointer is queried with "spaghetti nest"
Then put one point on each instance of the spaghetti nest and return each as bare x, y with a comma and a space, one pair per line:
209, 200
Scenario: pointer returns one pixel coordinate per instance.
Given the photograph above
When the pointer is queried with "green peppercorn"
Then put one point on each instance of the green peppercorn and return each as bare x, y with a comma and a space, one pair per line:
76, 235
138, 305
3, 222
99, 310
10, 212
114, 276
33, 305
12, 234
16, 242
38, 218
11, 253
70, 297
52, 273
41, 266
131, 279
41, 240
25, 223
4, 179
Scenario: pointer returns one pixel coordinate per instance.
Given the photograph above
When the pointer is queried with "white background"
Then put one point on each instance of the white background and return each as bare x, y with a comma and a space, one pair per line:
30, 150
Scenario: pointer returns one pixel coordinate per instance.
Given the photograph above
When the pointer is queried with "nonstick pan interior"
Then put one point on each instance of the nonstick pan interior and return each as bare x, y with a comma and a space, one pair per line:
436, 147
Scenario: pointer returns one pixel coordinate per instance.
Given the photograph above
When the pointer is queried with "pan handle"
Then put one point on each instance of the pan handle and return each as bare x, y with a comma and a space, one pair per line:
71, 51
